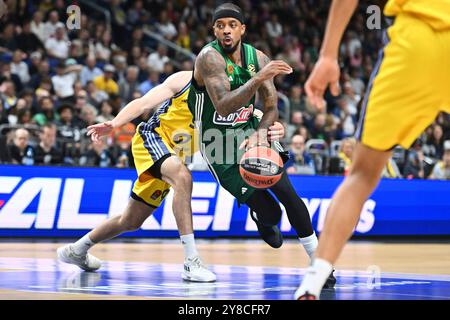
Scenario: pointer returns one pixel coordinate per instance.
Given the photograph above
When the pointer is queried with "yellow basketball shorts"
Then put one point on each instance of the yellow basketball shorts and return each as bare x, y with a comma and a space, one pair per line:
148, 146
409, 86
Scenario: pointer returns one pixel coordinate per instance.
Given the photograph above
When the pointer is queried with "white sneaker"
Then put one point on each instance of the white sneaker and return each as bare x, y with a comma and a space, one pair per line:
86, 262
196, 271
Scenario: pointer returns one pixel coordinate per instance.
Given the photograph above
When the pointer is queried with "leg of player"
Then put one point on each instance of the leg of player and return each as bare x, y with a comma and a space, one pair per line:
132, 219
266, 213
174, 172
299, 217
342, 217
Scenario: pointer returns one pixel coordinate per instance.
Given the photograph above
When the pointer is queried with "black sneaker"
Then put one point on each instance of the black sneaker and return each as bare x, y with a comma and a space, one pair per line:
270, 234
331, 281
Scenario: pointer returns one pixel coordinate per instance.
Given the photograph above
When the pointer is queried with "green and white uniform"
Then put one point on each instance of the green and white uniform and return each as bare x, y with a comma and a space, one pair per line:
232, 127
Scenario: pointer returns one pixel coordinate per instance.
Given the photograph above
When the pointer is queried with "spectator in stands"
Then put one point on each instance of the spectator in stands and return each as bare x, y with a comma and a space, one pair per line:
38, 26
150, 83
437, 141
20, 150
346, 154
120, 63
57, 46
27, 41
187, 65
414, 168
391, 170
95, 96
8, 41
97, 155
69, 131
167, 71
106, 81
441, 170
3, 114
135, 54
90, 71
356, 82
47, 112
273, 27
136, 39
35, 61
19, 67
296, 121
43, 72
28, 95
318, 129
166, 27
158, 59
287, 56
105, 112
300, 162
46, 151
296, 100
7, 75
24, 116
65, 78
8, 94
135, 12
103, 47
347, 122
184, 37
130, 84
46, 85
88, 115
52, 25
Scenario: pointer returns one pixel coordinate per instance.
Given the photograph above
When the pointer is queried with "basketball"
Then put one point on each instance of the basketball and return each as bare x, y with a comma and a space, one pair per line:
261, 167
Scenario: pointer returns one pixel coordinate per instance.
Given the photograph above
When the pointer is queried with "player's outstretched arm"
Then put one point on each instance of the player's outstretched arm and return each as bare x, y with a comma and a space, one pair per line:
326, 71
137, 107
211, 67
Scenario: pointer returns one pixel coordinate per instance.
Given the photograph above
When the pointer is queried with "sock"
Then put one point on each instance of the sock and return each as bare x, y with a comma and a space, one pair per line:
83, 245
188, 242
315, 278
310, 244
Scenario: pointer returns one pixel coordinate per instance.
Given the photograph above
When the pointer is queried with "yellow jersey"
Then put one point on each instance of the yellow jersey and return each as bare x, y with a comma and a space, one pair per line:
436, 13
174, 123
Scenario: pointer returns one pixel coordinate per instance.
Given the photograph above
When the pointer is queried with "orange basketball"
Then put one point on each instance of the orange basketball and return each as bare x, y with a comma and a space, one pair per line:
261, 167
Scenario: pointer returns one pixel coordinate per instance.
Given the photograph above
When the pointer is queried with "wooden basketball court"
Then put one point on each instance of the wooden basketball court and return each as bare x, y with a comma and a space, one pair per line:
246, 269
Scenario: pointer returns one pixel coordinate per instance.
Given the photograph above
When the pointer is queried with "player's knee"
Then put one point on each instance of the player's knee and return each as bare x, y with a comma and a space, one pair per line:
365, 176
183, 179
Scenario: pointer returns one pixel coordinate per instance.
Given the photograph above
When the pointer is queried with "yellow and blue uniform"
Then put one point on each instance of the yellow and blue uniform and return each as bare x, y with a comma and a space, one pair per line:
168, 132
410, 83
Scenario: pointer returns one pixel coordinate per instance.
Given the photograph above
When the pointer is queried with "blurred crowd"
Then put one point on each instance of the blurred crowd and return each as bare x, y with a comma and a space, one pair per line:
55, 81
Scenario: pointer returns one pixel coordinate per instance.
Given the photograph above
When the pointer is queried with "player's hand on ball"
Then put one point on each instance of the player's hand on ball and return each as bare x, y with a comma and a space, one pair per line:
259, 138
98, 130
274, 68
325, 73
276, 132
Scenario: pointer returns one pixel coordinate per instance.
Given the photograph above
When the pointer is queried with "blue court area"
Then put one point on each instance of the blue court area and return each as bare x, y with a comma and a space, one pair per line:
234, 282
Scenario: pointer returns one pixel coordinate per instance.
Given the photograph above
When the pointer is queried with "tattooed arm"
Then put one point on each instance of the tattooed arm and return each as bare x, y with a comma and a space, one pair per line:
210, 68
268, 95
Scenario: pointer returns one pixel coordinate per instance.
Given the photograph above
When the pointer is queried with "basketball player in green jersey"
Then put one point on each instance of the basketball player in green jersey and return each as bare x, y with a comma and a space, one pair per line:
227, 75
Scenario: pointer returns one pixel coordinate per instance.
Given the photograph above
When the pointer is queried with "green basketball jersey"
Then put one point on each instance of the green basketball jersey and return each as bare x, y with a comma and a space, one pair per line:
222, 152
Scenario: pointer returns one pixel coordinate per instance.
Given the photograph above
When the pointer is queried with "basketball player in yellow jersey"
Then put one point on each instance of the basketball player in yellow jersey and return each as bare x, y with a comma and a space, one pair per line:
154, 147
409, 86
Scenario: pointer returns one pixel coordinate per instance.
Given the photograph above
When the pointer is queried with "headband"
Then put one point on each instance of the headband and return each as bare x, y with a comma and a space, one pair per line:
228, 13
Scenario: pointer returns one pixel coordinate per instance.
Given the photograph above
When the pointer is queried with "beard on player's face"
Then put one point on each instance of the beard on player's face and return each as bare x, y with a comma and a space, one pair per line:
229, 48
